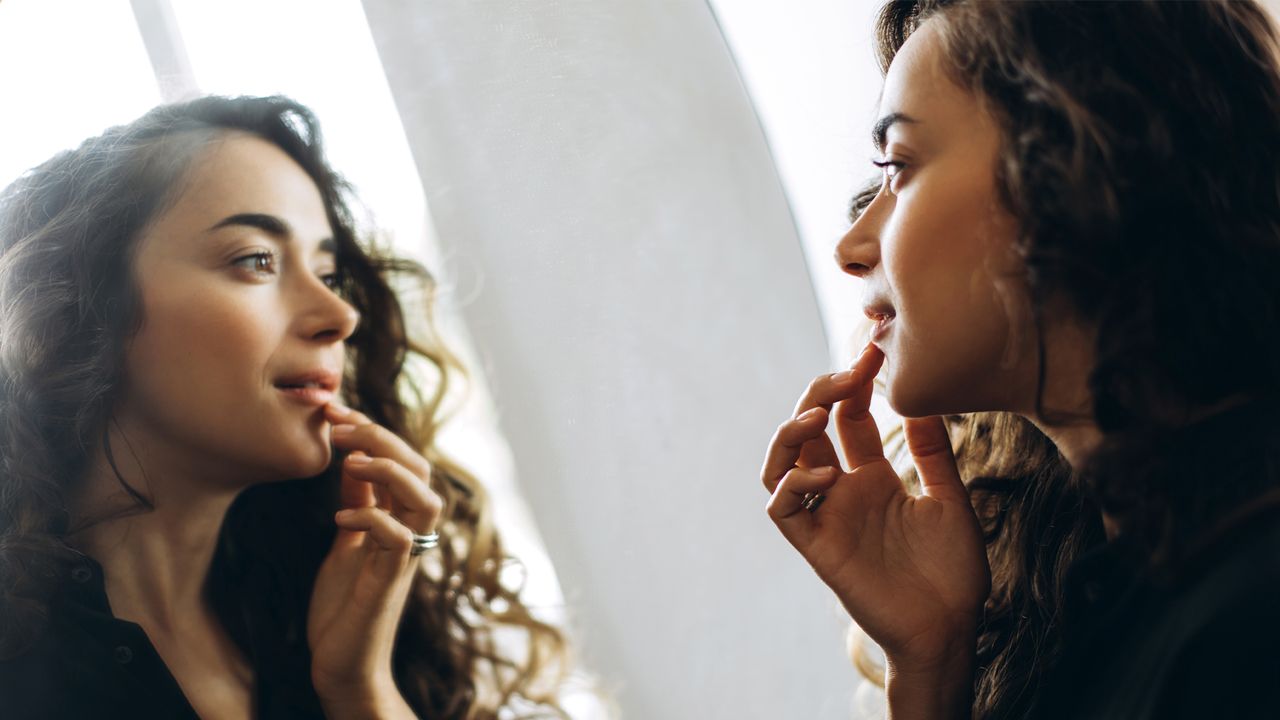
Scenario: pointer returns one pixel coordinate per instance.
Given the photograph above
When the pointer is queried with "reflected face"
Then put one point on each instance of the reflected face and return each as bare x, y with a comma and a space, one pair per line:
936, 248
237, 311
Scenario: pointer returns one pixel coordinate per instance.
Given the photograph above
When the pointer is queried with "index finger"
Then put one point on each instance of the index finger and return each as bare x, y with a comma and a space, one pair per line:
827, 390
855, 427
789, 443
376, 440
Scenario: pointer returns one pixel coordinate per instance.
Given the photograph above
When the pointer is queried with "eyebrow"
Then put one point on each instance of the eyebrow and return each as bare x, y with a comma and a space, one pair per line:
880, 132
271, 225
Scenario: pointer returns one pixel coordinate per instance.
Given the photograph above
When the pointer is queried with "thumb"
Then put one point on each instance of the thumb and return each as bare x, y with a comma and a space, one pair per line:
930, 448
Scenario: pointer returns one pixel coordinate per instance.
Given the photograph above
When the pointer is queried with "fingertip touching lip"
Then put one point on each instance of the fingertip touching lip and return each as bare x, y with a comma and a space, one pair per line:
322, 378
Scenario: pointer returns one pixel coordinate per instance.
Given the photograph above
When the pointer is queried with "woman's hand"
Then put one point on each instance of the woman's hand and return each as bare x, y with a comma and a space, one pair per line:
363, 584
911, 571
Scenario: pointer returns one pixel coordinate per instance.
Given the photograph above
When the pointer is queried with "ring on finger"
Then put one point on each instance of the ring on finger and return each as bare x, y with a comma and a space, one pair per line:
812, 500
423, 543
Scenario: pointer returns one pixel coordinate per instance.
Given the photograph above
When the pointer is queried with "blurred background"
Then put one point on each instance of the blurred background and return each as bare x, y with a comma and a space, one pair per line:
631, 207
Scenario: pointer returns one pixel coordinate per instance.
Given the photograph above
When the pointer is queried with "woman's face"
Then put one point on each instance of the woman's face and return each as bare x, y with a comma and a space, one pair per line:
236, 307
936, 248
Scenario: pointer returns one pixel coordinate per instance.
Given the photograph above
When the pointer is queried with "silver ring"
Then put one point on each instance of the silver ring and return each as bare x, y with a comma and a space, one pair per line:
811, 501
423, 543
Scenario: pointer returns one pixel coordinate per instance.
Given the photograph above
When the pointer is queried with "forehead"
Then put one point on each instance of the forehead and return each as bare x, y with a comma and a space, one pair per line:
242, 173
918, 85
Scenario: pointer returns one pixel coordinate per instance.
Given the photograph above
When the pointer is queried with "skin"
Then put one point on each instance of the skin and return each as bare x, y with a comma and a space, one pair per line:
198, 419
936, 245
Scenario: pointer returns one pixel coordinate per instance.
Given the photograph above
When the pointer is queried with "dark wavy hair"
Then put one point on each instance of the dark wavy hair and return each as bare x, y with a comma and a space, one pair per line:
1141, 159
68, 303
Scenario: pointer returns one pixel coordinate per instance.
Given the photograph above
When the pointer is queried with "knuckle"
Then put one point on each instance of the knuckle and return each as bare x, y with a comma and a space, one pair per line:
779, 435
383, 465
433, 503
790, 427
403, 538
773, 508
376, 431
788, 478
423, 468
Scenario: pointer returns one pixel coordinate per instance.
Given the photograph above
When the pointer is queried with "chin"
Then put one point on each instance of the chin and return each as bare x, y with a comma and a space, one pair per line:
917, 400
304, 458
317, 463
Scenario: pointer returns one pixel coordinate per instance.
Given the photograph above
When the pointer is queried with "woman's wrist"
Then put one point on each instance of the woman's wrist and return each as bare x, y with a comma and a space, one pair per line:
939, 687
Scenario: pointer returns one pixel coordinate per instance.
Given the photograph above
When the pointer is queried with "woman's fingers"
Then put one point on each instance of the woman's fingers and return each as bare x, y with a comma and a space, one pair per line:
388, 534
787, 506
802, 441
353, 431
796, 487
825, 390
930, 448
802, 435
416, 506
856, 428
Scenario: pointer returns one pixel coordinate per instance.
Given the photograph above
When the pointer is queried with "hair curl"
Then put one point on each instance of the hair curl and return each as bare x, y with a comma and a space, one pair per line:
68, 303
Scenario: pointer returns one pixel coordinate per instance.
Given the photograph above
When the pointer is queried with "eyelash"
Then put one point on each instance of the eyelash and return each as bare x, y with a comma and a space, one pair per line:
885, 165
331, 280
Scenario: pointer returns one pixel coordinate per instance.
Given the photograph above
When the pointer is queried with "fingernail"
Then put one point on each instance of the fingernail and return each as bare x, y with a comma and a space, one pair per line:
339, 409
343, 429
808, 414
359, 459
344, 514
842, 376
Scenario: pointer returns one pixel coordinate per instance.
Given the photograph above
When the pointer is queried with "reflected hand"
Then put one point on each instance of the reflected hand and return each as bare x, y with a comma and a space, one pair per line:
363, 584
911, 571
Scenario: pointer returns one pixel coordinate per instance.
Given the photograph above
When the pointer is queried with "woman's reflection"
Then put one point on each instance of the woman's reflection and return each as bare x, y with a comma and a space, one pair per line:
199, 367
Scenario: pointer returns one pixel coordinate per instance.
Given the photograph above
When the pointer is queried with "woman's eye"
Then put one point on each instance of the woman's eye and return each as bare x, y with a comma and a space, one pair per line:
259, 262
892, 169
332, 280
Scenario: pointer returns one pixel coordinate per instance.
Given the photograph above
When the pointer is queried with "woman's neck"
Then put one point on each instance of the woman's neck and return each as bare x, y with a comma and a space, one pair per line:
1065, 411
155, 563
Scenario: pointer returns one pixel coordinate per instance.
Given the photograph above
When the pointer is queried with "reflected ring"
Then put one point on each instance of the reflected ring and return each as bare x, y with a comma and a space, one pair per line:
423, 543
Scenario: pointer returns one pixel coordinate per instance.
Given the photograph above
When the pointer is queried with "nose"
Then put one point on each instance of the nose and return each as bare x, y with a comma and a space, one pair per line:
326, 316
858, 252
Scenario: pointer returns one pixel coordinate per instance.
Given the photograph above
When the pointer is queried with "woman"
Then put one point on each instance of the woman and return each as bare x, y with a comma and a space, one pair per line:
1076, 238
200, 366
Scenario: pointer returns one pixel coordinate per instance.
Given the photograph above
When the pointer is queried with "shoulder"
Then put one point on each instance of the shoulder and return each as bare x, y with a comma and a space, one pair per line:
1226, 663
1198, 644
1229, 666
81, 662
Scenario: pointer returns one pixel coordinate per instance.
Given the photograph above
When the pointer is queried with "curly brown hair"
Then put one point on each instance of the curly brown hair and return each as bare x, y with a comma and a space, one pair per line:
1140, 158
466, 646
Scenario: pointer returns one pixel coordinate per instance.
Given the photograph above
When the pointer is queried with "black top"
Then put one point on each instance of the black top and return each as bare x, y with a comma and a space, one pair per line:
89, 664
1205, 644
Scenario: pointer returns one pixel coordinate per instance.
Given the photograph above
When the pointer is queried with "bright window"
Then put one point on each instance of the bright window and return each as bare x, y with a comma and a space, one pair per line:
71, 69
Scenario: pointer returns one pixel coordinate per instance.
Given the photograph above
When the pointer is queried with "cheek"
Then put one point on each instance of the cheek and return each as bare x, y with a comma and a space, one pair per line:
198, 372
214, 346
957, 299
199, 378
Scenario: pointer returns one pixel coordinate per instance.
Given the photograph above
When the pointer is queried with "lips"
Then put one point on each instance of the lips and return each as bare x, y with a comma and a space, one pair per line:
318, 378
882, 313
311, 387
